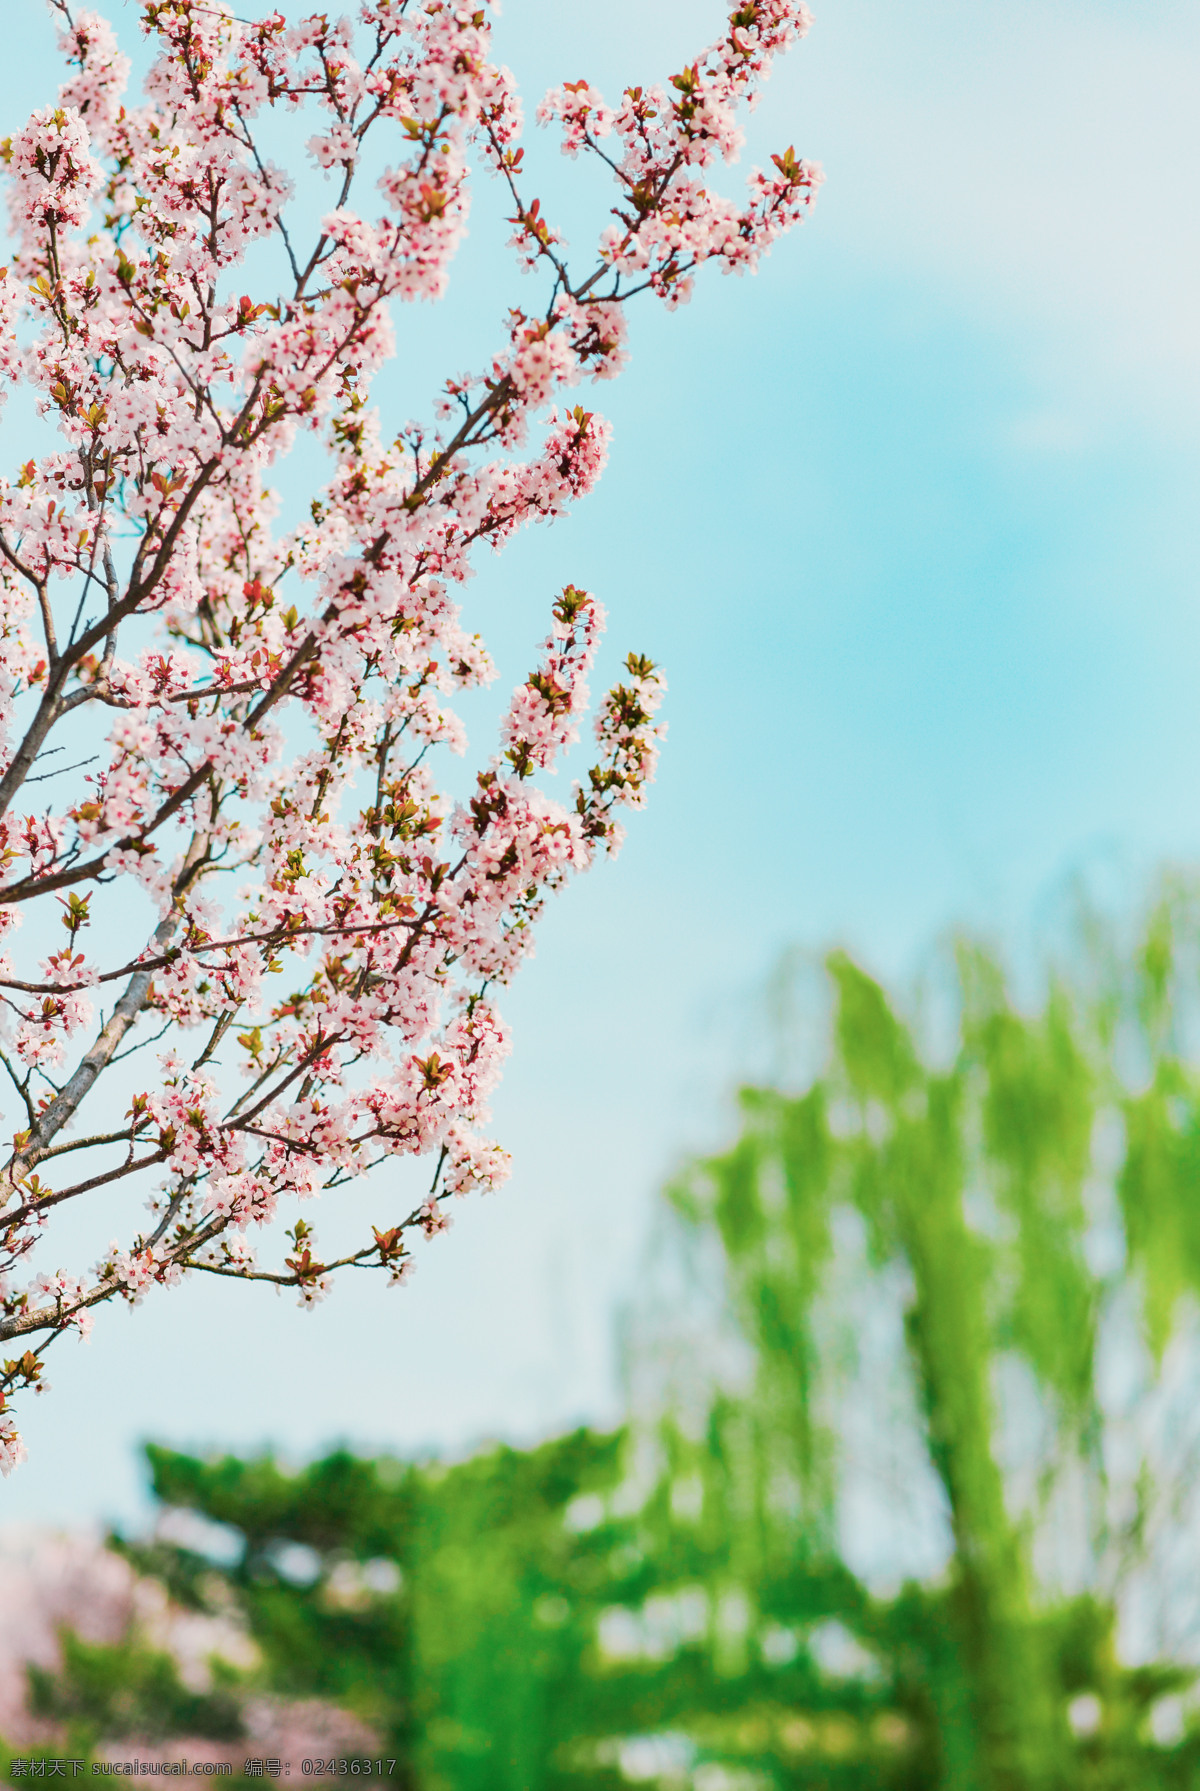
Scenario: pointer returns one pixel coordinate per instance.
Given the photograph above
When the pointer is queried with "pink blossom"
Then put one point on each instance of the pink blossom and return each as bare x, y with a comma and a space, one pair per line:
264, 712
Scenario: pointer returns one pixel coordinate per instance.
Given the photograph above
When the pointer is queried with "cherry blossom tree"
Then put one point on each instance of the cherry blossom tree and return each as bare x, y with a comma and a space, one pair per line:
259, 711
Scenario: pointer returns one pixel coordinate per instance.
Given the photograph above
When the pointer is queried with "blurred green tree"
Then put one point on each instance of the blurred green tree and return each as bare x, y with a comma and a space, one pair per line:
128, 1689
918, 1512
1015, 1210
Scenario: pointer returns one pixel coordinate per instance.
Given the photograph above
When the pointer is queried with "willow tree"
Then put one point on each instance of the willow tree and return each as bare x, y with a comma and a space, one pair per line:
965, 1257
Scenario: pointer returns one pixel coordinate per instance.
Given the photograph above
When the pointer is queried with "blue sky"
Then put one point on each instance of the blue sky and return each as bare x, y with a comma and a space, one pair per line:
911, 521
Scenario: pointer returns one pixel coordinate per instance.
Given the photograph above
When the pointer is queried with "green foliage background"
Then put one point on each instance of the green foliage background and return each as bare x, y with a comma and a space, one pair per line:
1011, 1196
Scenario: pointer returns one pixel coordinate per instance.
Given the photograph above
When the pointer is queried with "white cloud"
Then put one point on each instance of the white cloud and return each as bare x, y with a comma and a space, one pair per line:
1038, 161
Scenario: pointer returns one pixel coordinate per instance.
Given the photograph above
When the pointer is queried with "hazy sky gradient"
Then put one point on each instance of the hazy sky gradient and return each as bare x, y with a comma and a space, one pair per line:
911, 521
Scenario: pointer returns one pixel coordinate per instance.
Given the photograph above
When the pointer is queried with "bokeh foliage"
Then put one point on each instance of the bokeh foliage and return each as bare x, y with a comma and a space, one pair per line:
1008, 1195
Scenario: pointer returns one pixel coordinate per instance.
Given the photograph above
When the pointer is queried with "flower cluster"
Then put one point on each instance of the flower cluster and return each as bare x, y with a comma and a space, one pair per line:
256, 855
663, 139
